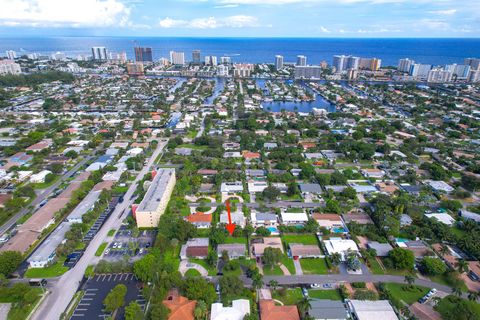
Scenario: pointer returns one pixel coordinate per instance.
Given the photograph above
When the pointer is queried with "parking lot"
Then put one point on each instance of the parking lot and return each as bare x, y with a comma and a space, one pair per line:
97, 288
124, 244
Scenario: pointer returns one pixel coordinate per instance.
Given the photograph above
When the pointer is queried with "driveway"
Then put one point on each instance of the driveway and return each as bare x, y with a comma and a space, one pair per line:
185, 265
298, 267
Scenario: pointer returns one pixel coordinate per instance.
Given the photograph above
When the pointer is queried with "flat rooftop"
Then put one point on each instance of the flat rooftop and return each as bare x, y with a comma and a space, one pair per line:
44, 251
155, 193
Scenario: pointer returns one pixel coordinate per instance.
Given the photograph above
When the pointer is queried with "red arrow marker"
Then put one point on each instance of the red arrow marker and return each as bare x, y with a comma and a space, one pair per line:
230, 226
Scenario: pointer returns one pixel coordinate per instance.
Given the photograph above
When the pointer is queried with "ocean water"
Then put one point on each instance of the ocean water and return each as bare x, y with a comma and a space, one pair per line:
256, 50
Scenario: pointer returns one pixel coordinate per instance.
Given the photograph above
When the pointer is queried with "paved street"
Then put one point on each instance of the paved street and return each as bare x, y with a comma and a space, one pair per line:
45, 193
335, 278
61, 294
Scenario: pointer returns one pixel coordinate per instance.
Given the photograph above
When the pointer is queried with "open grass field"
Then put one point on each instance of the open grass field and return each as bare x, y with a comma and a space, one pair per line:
405, 293
314, 266
52, 271
288, 296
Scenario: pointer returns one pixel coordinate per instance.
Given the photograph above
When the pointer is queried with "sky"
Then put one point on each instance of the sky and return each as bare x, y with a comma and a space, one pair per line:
241, 18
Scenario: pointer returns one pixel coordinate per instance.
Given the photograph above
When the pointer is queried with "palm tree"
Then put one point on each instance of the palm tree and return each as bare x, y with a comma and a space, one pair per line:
473, 296
304, 306
336, 258
273, 284
410, 280
462, 266
457, 291
444, 249
201, 311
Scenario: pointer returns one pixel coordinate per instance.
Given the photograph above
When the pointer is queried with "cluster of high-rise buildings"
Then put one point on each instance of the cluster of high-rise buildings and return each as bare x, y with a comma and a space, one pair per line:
468, 71
343, 63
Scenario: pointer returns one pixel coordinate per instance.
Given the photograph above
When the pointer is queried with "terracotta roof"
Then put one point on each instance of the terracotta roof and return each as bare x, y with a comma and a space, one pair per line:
251, 155
326, 216
199, 217
180, 307
269, 311
197, 251
207, 172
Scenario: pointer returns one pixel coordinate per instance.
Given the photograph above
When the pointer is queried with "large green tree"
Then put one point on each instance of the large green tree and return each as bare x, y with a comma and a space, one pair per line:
9, 261
115, 298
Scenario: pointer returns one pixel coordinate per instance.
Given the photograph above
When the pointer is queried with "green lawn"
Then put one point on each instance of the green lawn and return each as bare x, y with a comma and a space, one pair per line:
203, 263
111, 232
20, 308
172, 256
192, 146
375, 267
289, 296
44, 185
314, 266
405, 293
300, 238
287, 262
235, 240
192, 273
54, 270
325, 294
100, 249
275, 271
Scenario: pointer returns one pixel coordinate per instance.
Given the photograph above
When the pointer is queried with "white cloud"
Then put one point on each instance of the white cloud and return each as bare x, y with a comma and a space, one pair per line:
284, 2
447, 12
324, 30
435, 24
238, 21
61, 13
226, 6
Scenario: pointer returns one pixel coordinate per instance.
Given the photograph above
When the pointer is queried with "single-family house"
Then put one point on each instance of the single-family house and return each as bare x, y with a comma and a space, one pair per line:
269, 310
259, 245
195, 248
299, 251
234, 250
239, 309
340, 246
200, 220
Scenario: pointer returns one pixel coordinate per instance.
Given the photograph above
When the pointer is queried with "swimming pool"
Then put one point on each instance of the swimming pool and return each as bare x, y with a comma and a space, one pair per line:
338, 230
273, 229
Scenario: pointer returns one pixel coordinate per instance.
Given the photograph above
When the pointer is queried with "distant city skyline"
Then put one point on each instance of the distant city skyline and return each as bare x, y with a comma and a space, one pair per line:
241, 18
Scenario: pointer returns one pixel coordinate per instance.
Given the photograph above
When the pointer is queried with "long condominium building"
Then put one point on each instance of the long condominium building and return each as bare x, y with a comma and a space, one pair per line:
278, 62
474, 63
342, 62
404, 65
177, 58
156, 199
9, 67
135, 69
308, 72
301, 60
99, 53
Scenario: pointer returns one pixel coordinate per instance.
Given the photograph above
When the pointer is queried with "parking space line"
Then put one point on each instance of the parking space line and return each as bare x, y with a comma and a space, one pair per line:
110, 277
114, 278
87, 299
92, 289
78, 315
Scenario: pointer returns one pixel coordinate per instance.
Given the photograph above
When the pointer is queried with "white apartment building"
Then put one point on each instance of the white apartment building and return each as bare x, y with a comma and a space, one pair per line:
9, 67
177, 58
